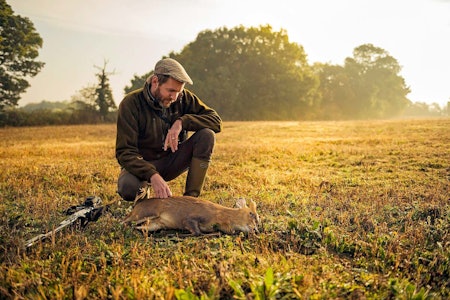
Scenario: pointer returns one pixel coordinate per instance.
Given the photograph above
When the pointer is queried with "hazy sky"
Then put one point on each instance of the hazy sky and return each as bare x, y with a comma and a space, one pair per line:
133, 34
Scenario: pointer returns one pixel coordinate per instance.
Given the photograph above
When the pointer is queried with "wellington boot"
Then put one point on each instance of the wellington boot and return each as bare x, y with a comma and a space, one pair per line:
196, 177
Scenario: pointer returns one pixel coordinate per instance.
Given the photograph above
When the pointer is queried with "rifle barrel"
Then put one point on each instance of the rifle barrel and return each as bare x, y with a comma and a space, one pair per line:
66, 222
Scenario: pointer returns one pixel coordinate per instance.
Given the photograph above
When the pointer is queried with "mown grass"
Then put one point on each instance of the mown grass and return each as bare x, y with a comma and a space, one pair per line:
349, 210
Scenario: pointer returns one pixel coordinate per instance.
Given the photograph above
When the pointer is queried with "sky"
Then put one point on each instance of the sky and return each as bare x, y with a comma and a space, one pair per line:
132, 35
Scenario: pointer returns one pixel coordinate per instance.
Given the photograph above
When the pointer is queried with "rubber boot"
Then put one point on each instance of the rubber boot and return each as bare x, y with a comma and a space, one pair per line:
196, 177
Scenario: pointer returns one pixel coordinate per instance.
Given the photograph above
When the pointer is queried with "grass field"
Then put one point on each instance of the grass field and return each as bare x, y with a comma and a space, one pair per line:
350, 210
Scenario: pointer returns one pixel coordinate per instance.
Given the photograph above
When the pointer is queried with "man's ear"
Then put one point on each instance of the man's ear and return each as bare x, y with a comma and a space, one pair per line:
154, 81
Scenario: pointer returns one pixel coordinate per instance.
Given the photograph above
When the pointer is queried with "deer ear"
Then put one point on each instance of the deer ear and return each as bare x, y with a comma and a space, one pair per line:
241, 203
252, 205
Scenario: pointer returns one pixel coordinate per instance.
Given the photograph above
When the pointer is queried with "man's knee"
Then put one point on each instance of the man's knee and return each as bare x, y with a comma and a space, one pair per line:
206, 135
204, 145
128, 186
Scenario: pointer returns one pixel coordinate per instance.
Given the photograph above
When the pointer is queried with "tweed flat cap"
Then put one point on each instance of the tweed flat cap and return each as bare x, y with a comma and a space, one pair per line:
174, 69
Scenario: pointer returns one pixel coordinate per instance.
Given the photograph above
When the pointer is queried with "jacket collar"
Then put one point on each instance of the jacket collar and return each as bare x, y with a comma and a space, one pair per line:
149, 97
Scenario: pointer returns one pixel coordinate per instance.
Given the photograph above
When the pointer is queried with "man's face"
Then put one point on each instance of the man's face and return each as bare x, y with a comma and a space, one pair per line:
168, 92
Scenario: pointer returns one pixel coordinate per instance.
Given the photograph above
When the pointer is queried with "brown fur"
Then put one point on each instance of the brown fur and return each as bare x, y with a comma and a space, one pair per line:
193, 214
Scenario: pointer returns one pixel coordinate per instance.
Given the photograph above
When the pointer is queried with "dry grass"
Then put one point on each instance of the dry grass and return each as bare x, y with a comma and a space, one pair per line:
350, 210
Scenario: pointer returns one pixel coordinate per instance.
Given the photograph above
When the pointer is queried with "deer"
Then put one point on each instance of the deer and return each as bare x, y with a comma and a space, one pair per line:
196, 215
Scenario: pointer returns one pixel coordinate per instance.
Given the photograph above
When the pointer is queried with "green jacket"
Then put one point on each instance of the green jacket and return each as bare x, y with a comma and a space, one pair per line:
141, 128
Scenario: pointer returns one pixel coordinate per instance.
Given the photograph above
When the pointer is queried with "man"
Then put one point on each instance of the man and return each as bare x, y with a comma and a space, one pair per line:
152, 145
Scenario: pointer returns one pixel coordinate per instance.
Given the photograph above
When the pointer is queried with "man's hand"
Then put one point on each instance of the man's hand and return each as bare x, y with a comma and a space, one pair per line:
160, 186
172, 136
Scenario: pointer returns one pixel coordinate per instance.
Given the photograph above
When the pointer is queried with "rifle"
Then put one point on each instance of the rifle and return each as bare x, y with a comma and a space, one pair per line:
90, 210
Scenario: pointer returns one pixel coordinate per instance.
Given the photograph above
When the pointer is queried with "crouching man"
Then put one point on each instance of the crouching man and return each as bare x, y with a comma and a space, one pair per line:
152, 146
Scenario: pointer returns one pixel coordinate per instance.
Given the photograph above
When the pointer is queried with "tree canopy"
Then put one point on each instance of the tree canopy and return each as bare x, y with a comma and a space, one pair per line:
367, 86
250, 73
19, 45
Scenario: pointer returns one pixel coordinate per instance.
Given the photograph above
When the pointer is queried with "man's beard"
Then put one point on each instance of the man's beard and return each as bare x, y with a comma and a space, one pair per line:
163, 102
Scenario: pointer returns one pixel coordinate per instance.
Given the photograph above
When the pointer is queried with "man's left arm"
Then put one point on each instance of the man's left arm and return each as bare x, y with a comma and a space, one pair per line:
198, 115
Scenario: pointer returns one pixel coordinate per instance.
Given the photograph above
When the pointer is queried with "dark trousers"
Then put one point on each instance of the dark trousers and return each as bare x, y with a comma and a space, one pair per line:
200, 145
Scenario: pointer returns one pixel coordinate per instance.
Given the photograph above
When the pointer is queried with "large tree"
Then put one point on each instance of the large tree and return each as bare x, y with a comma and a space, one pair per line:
367, 86
103, 93
248, 73
376, 81
19, 45
95, 101
337, 97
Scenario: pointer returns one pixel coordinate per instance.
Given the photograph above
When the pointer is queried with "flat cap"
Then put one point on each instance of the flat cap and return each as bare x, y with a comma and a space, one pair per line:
174, 69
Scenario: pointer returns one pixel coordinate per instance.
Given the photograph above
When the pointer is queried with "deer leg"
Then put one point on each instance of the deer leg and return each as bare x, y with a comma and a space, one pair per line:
193, 226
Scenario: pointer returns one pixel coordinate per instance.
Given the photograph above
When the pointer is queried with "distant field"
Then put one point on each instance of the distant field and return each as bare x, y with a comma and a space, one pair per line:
356, 210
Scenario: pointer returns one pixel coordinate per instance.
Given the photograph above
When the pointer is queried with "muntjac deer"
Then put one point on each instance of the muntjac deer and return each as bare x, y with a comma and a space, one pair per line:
193, 214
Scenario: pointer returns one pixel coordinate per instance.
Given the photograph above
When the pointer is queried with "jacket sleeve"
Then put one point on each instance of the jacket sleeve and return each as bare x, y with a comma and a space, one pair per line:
198, 115
127, 151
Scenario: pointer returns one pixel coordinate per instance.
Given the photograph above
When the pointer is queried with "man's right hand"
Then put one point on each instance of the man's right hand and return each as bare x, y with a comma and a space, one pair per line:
160, 186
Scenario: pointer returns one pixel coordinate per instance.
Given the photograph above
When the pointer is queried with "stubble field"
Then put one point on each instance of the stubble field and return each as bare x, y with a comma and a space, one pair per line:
350, 210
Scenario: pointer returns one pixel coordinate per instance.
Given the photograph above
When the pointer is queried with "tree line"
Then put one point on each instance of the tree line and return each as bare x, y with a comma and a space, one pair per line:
244, 73
258, 74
